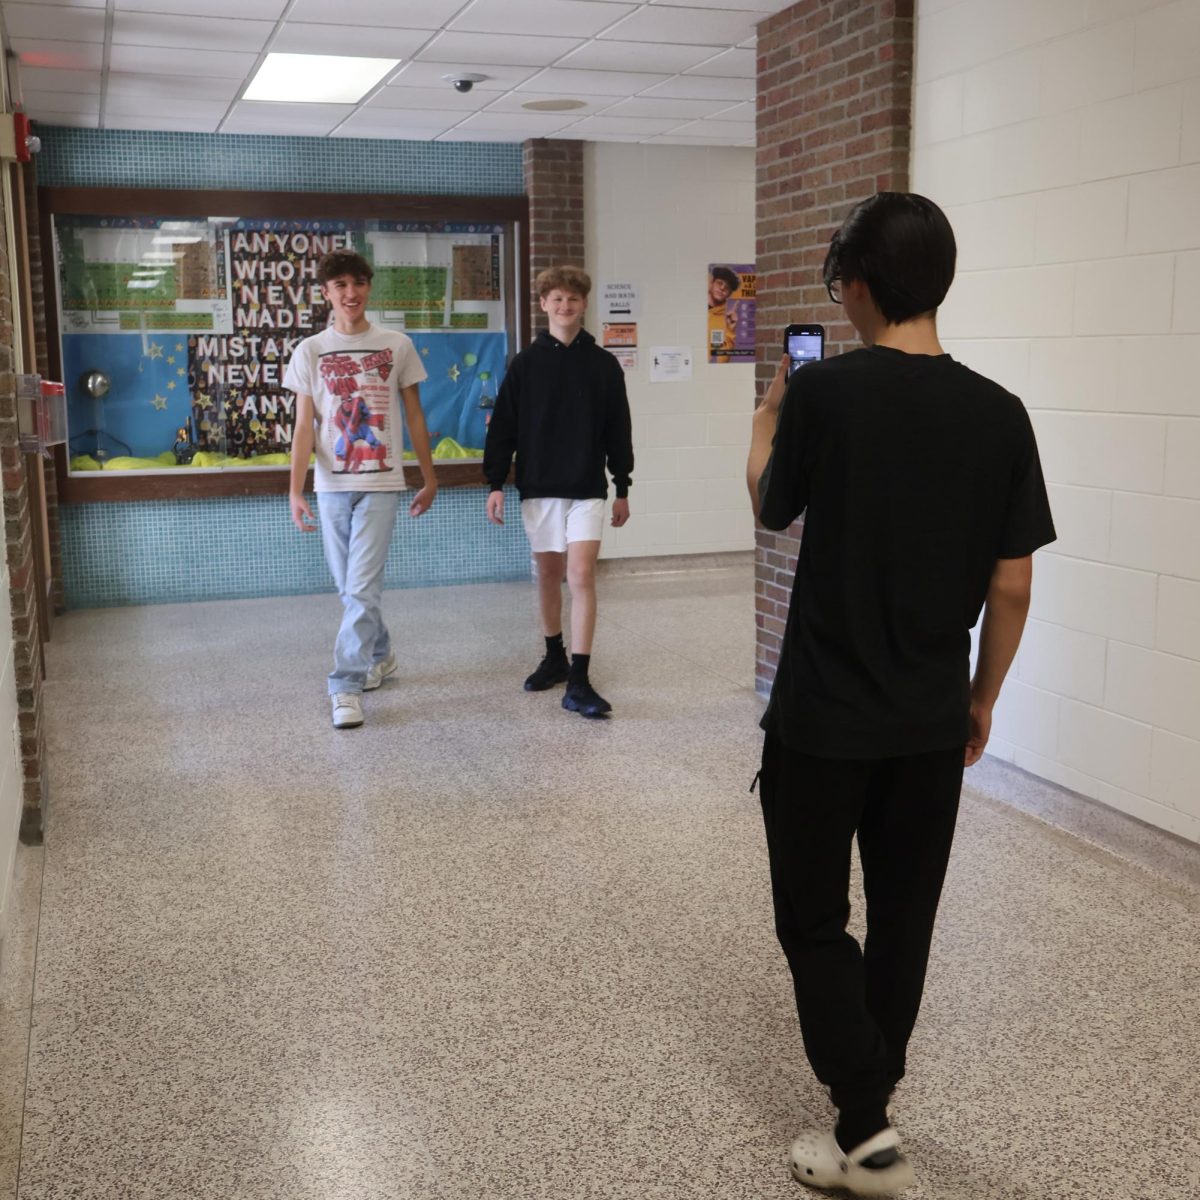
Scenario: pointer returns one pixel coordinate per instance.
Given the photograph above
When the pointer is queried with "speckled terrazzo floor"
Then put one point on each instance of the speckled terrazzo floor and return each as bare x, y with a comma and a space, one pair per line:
483, 948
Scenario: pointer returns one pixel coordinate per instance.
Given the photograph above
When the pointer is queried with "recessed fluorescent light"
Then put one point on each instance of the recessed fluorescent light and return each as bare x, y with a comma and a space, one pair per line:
317, 78
552, 106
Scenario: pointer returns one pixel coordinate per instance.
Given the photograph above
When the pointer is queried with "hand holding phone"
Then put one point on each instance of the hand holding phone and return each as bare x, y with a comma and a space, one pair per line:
803, 344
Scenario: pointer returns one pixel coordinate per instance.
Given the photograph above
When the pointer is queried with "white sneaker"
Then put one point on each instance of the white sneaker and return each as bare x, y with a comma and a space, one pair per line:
378, 672
818, 1161
347, 710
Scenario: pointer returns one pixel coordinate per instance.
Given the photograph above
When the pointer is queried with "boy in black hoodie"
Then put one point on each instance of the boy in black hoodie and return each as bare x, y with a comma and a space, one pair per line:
563, 410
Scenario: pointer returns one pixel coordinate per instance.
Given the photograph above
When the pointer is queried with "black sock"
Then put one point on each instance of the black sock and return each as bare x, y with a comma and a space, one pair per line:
579, 668
555, 647
857, 1125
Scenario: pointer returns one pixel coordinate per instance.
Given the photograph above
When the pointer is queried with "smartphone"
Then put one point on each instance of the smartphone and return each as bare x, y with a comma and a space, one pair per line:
803, 344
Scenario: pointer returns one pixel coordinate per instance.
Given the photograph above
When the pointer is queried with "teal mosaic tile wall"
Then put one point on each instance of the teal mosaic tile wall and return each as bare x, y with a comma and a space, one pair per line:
157, 552
241, 547
245, 162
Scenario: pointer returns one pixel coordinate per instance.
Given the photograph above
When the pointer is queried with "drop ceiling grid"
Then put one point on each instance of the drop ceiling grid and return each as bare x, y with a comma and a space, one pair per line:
646, 55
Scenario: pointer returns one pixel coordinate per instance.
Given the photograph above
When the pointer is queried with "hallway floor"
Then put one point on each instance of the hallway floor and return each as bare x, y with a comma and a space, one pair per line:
484, 948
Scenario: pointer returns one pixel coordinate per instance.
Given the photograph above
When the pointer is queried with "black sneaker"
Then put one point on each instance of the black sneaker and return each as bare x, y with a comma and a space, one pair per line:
585, 700
551, 670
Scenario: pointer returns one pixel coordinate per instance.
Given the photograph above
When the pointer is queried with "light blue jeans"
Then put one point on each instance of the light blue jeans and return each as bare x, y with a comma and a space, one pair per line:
356, 528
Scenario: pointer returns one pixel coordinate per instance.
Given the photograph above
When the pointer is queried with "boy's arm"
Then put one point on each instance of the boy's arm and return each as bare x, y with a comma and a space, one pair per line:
1004, 614
302, 448
414, 419
500, 444
619, 450
778, 489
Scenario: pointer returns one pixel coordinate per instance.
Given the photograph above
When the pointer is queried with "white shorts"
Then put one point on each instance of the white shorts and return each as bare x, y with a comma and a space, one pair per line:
551, 523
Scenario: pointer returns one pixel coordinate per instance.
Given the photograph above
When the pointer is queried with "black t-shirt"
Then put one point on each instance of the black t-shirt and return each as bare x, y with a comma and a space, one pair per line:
915, 475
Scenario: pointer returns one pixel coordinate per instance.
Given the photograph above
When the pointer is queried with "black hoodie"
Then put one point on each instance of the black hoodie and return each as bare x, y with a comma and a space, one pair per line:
564, 411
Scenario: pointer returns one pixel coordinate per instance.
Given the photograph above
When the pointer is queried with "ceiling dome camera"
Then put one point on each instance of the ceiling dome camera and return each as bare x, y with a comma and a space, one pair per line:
464, 81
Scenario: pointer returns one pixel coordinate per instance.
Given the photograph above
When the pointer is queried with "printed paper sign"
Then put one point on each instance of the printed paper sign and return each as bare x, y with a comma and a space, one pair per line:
620, 300
670, 364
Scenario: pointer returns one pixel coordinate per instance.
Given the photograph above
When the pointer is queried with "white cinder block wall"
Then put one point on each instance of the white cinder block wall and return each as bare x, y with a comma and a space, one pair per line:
10, 766
657, 216
1063, 139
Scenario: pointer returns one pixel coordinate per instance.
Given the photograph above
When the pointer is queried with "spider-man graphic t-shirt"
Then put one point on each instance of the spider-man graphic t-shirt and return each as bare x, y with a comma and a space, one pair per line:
355, 383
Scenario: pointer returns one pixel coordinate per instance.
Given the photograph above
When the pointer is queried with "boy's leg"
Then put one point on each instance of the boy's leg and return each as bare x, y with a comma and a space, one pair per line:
581, 579
550, 565
371, 521
904, 841
811, 807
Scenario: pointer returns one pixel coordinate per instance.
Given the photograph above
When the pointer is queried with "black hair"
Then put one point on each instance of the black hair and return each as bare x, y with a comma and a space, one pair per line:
344, 262
902, 247
727, 276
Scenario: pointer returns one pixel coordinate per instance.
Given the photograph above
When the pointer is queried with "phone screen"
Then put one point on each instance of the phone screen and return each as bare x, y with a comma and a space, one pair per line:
804, 348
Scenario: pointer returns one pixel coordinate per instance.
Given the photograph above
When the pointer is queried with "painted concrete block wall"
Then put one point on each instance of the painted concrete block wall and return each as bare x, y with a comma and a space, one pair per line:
1063, 139
10, 763
657, 216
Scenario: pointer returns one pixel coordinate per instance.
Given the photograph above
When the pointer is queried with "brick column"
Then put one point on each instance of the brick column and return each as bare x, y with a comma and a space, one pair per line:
554, 185
19, 549
834, 95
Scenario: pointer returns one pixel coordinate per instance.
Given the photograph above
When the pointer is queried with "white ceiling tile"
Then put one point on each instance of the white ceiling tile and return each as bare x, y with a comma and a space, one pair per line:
444, 98
733, 64
76, 120
429, 75
760, 7
640, 127
150, 60
533, 124
601, 137
486, 135
253, 10
680, 110
745, 111
396, 14
167, 105
426, 121
200, 33
73, 23
61, 56
170, 124
514, 102
41, 79
703, 87
83, 3
312, 120
733, 131
635, 56
152, 90
296, 38
37, 103
689, 26
590, 83
464, 49
682, 139
565, 18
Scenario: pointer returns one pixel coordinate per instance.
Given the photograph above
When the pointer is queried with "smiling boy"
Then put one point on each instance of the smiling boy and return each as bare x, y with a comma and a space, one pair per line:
350, 381
563, 411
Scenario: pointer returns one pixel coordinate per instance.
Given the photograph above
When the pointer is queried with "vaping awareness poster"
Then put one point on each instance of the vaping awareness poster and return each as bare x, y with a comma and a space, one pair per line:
731, 303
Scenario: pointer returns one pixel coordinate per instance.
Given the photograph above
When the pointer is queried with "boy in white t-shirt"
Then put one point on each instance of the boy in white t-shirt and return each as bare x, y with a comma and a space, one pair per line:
349, 382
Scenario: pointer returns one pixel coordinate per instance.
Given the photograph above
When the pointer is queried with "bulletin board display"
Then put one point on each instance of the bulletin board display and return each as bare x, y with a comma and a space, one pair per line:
175, 331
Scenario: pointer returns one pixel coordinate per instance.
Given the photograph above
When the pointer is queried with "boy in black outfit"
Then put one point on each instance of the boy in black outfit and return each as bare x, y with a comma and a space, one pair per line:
924, 503
562, 408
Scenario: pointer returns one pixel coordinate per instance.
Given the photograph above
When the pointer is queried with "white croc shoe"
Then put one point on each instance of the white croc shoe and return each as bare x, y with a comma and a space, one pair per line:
378, 672
818, 1161
347, 710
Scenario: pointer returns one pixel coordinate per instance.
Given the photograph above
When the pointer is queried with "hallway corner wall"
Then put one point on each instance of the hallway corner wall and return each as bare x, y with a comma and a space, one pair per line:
1066, 152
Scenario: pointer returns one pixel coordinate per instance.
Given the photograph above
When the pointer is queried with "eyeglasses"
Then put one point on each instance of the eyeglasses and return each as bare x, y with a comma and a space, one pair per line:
834, 288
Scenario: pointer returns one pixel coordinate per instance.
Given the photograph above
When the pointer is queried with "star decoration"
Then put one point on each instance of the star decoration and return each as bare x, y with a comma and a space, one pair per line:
171, 386
180, 371
178, 345
159, 402
424, 351
155, 350
170, 360
454, 372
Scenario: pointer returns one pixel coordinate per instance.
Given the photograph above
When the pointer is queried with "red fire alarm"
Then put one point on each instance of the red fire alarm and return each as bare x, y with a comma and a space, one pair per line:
27, 145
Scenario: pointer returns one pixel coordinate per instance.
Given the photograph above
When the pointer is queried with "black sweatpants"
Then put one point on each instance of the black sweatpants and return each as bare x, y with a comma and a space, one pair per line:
858, 1006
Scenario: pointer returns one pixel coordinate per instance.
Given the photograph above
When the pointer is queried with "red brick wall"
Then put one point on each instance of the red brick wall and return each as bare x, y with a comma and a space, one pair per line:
834, 96
554, 185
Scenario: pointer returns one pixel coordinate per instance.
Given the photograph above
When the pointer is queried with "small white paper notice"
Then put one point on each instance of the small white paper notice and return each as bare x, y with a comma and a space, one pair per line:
670, 364
620, 301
